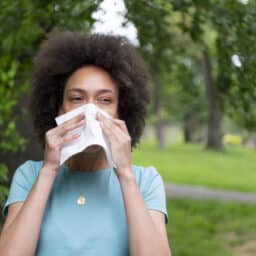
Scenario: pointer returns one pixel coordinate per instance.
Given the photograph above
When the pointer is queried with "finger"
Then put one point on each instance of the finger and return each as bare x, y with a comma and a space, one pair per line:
71, 124
100, 116
68, 139
112, 136
115, 122
117, 137
71, 127
75, 119
121, 124
111, 129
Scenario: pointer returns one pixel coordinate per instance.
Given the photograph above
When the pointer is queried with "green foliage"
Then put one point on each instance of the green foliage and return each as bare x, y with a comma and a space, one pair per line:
154, 34
24, 24
176, 31
10, 139
172, 60
233, 24
3, 179
190, 95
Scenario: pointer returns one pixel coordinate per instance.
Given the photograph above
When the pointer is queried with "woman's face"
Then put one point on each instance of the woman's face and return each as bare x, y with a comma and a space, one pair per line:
90, 84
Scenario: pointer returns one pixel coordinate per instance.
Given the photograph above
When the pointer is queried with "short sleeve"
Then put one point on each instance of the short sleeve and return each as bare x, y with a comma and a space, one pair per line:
154, 191
20, 185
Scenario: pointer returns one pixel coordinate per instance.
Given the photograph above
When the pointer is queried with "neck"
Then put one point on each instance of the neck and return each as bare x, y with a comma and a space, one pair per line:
88, 162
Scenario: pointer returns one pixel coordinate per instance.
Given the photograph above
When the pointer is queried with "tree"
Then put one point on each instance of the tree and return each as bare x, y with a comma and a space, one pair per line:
166, 49
24, 24
190, 103
229, 88
151, 18
10, 140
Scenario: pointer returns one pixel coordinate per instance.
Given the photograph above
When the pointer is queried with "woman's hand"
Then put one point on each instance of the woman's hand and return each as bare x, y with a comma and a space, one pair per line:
55, 139
120, 142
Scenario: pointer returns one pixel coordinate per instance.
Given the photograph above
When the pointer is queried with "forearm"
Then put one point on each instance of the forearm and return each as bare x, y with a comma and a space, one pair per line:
143, 235
21, 236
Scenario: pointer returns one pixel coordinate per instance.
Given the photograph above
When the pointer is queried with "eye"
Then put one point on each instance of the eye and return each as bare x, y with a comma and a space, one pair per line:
75, 99
105, 100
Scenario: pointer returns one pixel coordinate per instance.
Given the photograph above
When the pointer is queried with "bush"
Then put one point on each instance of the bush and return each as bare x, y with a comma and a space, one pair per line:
10, 139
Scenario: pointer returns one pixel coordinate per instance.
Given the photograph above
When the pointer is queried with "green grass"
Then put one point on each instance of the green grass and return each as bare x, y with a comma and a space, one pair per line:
200, 228
233, 169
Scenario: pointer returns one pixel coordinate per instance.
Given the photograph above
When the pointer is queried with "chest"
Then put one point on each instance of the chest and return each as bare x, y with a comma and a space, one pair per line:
100, 223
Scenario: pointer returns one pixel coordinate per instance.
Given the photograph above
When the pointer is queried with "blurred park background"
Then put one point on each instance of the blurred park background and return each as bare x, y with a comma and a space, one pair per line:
201, 129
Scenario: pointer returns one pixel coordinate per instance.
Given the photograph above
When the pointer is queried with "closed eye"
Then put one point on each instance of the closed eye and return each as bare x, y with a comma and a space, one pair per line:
105, 100
77, 98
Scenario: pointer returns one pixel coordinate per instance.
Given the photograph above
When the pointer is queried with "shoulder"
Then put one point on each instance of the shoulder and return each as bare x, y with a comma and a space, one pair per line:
145, 171
28, 170
145, 175
30, 166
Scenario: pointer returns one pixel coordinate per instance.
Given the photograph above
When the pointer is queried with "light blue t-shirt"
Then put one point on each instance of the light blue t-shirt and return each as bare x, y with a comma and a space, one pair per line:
98, 227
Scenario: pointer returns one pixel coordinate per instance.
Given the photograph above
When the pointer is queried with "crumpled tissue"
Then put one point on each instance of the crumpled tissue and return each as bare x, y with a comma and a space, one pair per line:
91, 133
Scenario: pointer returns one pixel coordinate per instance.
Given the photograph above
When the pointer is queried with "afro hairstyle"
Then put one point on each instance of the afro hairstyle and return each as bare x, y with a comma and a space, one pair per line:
63, 53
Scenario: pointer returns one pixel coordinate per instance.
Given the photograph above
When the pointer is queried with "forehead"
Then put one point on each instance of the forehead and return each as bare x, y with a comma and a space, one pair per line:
91, 78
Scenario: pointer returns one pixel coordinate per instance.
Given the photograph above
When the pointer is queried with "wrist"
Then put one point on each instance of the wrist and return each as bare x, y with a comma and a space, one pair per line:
126, 174
50, 166
48, 170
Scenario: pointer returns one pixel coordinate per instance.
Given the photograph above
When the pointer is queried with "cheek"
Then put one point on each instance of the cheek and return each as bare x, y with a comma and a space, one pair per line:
66, 108
115, 112
111, 112
110, 109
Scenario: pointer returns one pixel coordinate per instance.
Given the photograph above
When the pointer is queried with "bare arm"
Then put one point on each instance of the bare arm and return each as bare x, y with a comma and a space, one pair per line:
147, 233
20, 233
21, 230
145, 237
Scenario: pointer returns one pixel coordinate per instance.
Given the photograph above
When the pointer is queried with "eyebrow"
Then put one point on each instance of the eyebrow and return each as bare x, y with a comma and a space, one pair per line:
99, 91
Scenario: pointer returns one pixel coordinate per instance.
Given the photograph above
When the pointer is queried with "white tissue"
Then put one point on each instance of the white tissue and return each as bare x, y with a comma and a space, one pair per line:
91, 133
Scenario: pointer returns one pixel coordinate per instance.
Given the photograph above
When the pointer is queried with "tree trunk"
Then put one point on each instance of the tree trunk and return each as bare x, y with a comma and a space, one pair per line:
214, 136
159, 122
188, 127
160, 130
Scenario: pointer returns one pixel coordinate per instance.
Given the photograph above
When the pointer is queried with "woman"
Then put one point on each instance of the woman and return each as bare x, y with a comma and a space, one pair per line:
84, 207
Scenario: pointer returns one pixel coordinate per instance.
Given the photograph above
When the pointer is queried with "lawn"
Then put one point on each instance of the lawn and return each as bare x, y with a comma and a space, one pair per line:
232, 169
200, 228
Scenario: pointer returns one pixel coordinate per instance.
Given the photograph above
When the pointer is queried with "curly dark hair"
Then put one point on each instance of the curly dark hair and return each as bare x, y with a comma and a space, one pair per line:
65, 52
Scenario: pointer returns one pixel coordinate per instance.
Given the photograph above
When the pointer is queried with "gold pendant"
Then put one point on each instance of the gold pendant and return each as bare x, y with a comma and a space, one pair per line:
81, 200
